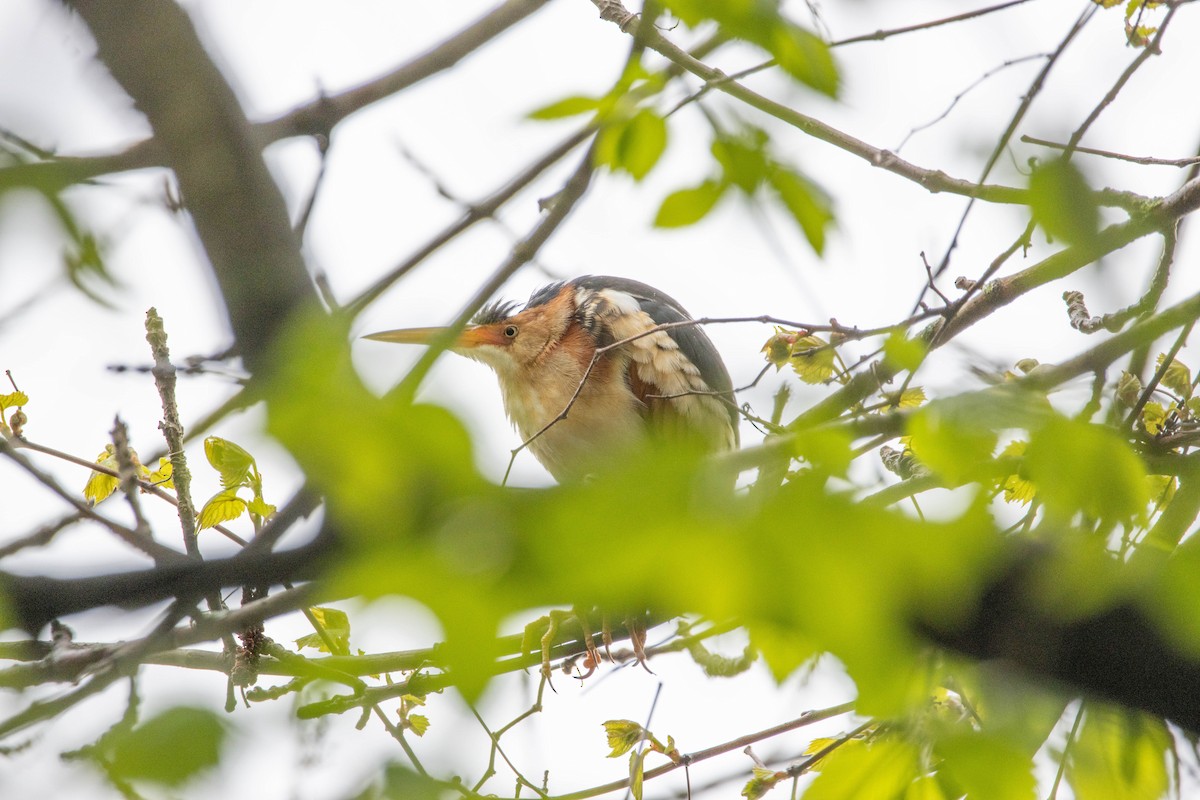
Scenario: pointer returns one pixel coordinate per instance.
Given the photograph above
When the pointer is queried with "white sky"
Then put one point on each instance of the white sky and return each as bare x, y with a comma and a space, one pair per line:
467, 126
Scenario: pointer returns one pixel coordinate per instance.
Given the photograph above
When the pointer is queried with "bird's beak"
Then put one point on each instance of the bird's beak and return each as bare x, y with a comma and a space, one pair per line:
468, 339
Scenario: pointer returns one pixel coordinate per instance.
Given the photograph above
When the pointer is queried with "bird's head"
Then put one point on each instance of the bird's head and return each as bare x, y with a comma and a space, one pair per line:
507, 340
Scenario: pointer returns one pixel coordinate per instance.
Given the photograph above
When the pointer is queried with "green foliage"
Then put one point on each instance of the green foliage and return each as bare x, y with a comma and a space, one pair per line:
886, 767
623, 735
400, 783
717, 665
985, 766
1068, 460
1119, 757
688, 206
1176, 377
567, 107
168, 749
812, 358
808, 205
634, 144
745, 162
762, 781
238, 471
100, 484
957, 446
799, 52
336, 625
1063, 203
903, 352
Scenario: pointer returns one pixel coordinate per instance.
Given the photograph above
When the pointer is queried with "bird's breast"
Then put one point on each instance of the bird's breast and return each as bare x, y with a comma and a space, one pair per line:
600, 422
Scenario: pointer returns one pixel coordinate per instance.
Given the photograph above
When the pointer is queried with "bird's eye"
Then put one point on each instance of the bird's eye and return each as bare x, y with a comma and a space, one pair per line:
511, 331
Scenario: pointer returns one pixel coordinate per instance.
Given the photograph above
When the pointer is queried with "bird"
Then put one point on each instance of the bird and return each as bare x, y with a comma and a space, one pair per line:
668, 385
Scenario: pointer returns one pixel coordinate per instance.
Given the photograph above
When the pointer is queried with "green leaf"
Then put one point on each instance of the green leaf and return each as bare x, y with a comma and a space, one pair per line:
903, 352
1129, 389
260, 507
986, 766
221, 507
1063, 203
1079, 467
230, 460
952, 444
884, 768
1017, 489
783, 649
743, 158
418, 723
762, 781
622, 735
642, 142
99, 484
170, 748
804, 56
1119, 757
1177, 378
567, 107
336, 625
800, 53
955, 436
161, 477
401, 783
808, 205
1154, 416
827, 449
812, 358
13, 400
688, 206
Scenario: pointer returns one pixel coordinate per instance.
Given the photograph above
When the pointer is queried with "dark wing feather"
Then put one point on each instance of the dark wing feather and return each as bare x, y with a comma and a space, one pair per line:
692, 340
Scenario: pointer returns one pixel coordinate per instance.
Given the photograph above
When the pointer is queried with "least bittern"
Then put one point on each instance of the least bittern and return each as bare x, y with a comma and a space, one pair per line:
669, 383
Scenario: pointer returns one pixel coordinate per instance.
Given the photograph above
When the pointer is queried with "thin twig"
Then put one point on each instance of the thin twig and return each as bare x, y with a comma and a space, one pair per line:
560, 208
1091, 151
157, 551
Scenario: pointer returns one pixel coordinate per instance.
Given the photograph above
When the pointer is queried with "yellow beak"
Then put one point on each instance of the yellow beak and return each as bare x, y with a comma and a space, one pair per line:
469, 338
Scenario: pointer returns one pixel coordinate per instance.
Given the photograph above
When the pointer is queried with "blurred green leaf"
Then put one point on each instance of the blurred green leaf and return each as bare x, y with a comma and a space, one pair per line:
743, 158
1079, 467
633, 145
169, 748
567, 107
799, 52
884, 768
1063, 203
828, 449
954, 445
260, 507
986, 766
1119, 756
688, 206
398, 782
902, 351
808, 205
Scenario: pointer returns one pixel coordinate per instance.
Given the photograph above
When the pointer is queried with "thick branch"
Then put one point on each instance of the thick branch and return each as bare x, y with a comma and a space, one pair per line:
1118, 653
152, 50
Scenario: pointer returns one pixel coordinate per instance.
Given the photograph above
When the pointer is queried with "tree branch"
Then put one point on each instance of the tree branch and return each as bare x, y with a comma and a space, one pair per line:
235, 204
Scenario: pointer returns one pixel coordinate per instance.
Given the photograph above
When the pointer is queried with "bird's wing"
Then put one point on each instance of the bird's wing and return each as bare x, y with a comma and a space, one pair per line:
677, 373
